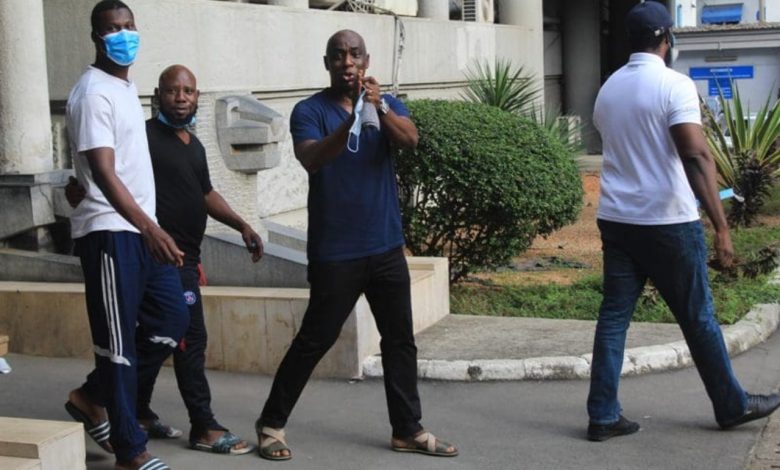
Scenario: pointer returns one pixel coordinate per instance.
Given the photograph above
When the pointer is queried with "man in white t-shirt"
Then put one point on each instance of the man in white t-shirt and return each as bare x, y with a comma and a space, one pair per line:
128, 260
656, 163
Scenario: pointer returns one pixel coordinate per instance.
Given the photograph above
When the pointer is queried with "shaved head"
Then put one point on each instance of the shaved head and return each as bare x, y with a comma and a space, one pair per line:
177, 94
349, 36
172, 72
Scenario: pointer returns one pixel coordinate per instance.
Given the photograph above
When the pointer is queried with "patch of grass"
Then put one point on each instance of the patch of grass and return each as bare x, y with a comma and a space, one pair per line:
772, 204
581, 300
502, 296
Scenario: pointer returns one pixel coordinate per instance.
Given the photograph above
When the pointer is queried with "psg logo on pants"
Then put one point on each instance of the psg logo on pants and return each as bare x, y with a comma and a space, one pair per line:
190, 297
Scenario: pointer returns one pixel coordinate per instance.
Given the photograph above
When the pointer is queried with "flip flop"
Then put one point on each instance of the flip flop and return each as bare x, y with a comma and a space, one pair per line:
153, 463
99, 432
272, 440
224, 445
158, 430
425, 443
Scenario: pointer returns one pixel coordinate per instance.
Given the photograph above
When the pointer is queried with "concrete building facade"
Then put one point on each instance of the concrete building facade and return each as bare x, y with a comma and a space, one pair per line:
272, 52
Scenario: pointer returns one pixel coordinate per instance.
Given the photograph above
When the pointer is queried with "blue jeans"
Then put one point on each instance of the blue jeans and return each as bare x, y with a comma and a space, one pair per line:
674, 258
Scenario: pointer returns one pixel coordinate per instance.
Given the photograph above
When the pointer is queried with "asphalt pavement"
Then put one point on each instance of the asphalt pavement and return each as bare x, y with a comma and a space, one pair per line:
340, 424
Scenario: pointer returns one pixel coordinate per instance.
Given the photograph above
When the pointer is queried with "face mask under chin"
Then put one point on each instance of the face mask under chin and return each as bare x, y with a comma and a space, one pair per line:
175, 123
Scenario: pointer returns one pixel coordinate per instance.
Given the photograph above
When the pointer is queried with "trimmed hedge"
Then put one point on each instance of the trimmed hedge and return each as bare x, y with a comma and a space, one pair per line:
482, 184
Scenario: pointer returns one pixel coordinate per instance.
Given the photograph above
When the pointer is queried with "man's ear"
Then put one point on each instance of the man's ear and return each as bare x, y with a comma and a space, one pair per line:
325, 61
367, 61
98, 41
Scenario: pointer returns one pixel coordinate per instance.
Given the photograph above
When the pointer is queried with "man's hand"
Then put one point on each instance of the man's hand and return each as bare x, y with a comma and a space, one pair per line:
357, 88
74, 192
699, 166
162, 246
724, 250
373, 93
254, 244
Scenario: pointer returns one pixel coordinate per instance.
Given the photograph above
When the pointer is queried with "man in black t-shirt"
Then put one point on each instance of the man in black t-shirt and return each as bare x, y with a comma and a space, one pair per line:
184, 199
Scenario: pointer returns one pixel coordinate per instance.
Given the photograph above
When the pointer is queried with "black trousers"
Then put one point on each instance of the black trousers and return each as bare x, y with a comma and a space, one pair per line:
335, 288
189, 364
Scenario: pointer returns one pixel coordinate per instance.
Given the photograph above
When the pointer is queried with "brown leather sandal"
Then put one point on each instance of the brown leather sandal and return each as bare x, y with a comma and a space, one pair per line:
424, 443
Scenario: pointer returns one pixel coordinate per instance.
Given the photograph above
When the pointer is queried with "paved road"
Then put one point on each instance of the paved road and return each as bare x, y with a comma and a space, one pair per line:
509, 425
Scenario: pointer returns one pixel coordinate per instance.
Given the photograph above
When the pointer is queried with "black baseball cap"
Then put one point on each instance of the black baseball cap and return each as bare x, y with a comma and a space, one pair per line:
648, 19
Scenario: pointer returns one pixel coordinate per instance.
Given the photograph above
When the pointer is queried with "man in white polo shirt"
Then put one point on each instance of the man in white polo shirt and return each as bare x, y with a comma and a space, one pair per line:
656, 163
127, 259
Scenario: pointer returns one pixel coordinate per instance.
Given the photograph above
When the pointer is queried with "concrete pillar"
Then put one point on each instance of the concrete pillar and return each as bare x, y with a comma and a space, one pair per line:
526, 13
434, 9
302, 4
582, 65
25, 120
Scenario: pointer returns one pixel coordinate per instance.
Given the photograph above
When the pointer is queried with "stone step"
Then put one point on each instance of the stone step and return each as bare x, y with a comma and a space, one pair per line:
54, 444
15, 463
3, 345
250, 328
289, 237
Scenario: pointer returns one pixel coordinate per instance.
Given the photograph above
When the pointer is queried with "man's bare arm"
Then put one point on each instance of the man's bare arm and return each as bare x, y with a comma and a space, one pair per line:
702, 176
314, 154
218, 208
161, 245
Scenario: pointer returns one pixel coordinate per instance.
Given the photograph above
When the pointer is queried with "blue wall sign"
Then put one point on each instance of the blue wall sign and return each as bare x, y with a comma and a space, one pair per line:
722, 84
719, 78
733, 72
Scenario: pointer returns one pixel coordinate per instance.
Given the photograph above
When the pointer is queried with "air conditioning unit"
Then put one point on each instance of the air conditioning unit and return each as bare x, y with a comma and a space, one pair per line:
480, 11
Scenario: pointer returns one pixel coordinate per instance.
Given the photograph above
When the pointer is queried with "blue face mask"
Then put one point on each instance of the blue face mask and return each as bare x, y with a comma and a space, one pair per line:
122, 46
176, 125
354, 131
674, 51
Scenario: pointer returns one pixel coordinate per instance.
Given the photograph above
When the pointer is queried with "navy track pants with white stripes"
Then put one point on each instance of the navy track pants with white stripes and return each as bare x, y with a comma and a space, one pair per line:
126, 287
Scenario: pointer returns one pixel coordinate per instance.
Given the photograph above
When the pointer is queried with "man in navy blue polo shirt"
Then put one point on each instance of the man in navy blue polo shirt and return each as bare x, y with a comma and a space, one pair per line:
342, 137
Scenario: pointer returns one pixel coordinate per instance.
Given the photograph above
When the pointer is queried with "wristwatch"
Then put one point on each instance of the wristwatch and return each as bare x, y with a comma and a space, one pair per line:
383, 107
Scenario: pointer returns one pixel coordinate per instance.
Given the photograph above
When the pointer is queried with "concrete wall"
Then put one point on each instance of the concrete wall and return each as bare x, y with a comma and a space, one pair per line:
275, 53
753, 92
250, 329
757, 48
232, 46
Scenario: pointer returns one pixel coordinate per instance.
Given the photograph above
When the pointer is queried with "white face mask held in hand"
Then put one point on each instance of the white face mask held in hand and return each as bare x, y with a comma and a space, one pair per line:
357, 126
365, 116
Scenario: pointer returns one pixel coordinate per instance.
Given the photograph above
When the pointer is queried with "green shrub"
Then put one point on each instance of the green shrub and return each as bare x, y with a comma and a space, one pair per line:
512, 89
501, 85
748, 158
482, 184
